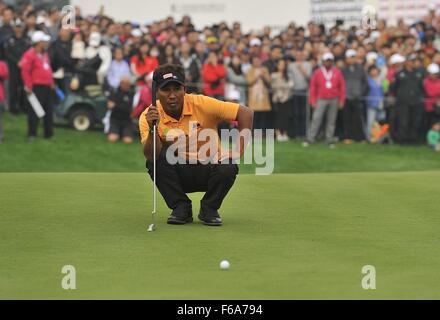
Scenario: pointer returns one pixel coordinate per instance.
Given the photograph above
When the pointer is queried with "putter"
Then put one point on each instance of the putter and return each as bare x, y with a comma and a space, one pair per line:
152, 226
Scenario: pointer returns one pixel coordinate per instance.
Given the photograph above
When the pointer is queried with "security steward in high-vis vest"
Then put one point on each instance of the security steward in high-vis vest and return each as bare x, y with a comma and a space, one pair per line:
179, 117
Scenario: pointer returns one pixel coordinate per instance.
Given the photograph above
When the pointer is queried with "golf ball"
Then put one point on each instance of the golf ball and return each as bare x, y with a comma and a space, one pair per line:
224, 265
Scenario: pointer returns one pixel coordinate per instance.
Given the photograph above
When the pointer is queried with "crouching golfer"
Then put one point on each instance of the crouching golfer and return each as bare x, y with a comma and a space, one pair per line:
181, 118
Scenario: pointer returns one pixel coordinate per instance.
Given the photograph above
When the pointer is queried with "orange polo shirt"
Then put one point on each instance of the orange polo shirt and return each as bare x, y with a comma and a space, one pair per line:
199, 112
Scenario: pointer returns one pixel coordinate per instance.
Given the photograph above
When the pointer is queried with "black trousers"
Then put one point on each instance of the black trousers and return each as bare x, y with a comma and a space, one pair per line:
263, 120
283, 112
299, 115
353, 115
44, 96
409, 119
175, 181
16, 91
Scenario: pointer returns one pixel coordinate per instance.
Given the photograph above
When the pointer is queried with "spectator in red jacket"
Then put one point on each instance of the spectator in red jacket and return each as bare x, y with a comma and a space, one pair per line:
38, 78
4, 75
214, 77
142, 63
327, 96
431, 85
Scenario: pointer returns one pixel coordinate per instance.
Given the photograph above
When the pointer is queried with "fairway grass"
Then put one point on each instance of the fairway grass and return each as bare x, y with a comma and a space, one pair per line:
287, 236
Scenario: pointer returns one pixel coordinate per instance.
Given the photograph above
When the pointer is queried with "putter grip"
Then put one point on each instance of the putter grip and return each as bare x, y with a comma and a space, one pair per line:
153, 99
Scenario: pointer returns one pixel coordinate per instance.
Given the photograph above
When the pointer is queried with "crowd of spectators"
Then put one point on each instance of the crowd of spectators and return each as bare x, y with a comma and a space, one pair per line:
373, 85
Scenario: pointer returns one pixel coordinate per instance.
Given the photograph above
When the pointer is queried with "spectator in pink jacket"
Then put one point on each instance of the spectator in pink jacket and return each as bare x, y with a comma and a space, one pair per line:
327, 96
431, 85
4, 75
38, 78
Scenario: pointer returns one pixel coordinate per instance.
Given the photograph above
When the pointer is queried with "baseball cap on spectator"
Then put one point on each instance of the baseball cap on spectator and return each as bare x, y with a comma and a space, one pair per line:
368, 41
350, 53
211, 39
372, 56
397, 58
40, 36
18, 23
375, 35
339, 39
41, 20
433, 68
137, 33
328, 56
255, 42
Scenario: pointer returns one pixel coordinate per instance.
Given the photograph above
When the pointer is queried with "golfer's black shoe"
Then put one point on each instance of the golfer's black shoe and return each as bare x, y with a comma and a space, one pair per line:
180, 217
211, 218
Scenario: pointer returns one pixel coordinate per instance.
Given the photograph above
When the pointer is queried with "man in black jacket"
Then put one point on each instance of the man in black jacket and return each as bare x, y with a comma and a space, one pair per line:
61, 58
14, 48
6, 30
357, 88
120, 102
408, 88
276, 54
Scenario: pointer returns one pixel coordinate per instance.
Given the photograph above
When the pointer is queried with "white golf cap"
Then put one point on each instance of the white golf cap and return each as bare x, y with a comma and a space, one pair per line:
433, 68
41, 20
40, 36
350, 53
375, 35
372, 56
255, 42
137, 33
397, 58
328, 56
95, 39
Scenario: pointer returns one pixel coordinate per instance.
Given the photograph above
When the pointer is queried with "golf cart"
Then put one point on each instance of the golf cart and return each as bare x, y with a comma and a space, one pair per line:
82, 110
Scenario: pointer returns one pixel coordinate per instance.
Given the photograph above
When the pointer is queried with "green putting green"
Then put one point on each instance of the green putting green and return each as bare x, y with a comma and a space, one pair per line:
286, 236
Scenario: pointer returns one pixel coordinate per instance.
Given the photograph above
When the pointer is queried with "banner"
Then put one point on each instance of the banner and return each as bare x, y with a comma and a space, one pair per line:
328, 11
408, 10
